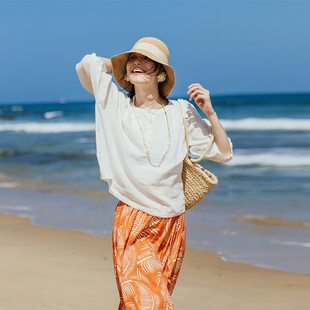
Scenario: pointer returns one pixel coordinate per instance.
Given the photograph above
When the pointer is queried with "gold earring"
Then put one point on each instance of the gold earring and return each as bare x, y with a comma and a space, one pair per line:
161, 77
126, 78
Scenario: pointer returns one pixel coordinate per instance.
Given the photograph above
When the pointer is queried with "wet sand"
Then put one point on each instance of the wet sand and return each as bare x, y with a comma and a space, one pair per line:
51, 268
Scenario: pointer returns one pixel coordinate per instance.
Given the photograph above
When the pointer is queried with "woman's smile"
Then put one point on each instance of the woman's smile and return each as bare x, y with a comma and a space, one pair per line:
137, 70
138, 66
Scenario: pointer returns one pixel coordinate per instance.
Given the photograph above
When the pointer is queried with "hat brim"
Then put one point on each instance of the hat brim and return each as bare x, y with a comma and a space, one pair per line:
119, 70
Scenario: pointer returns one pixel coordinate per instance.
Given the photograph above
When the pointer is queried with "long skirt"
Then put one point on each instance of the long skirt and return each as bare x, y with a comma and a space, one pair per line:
147, 252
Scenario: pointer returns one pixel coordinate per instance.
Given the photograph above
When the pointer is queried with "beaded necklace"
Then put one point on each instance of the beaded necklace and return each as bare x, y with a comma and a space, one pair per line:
155, 163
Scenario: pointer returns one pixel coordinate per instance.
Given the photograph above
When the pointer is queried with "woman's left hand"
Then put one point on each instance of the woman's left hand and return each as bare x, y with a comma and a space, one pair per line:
201, 97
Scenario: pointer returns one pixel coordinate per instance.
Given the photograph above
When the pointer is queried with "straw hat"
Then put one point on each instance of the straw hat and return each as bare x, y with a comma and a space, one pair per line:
155, 50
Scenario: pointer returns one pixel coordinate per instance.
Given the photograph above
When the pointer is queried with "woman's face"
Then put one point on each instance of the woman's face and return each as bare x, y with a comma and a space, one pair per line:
140, 69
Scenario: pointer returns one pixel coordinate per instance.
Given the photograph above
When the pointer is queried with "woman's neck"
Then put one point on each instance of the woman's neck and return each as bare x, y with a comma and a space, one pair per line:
146, 98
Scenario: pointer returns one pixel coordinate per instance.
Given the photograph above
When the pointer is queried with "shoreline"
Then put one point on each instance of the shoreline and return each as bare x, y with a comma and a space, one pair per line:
52, 268
70, 209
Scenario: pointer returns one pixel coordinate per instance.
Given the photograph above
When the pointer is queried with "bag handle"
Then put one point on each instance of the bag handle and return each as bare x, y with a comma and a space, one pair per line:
186, 138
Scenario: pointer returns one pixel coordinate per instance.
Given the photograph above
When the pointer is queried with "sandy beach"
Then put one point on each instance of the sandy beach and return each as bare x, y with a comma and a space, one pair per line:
51, 268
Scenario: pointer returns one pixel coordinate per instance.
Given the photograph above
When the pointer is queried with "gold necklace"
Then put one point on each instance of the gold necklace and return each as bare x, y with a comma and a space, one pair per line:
155, 163
166, 117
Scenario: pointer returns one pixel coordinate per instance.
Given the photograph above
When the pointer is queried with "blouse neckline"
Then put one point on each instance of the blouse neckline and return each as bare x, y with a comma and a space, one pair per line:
148, 110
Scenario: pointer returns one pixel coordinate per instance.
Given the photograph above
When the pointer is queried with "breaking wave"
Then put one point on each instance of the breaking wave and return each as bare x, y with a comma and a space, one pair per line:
267, 124
274, 157
37, 127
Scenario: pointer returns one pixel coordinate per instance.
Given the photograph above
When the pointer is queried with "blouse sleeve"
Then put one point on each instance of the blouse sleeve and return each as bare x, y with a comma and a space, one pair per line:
93, 77
199, 135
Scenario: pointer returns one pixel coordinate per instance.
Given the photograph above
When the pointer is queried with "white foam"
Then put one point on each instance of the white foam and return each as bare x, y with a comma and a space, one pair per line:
243, 124
295, 243
36, 127
53, 114
8, 185
15, 208
267, 124
273, 158
17, 108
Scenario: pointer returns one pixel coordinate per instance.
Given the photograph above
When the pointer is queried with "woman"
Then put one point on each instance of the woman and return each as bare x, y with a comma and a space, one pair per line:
140, 149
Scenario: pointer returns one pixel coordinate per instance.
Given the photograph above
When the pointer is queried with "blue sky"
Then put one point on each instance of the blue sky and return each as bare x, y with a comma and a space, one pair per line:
230, 47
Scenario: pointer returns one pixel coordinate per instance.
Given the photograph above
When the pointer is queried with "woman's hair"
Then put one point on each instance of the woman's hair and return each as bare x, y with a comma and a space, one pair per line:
157, 66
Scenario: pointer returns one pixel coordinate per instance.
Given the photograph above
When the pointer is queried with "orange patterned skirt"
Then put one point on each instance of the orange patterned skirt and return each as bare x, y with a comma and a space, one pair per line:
147, 252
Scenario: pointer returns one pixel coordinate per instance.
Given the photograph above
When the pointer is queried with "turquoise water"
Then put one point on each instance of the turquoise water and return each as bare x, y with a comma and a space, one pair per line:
259, 213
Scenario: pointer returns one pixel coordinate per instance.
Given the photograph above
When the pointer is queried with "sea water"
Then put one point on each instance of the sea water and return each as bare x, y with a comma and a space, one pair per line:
259, 213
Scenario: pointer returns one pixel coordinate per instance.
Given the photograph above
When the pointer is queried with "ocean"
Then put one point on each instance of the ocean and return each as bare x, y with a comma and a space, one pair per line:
258, 214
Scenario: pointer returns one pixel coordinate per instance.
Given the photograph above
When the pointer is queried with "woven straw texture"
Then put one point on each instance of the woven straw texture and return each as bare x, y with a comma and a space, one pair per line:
119, 64
197, 182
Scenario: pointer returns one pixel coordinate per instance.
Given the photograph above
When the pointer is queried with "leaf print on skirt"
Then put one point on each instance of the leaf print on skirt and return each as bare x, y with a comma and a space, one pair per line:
147, 252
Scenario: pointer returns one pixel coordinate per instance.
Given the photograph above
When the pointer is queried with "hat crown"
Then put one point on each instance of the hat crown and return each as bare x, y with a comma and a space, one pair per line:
156, 47
152, 48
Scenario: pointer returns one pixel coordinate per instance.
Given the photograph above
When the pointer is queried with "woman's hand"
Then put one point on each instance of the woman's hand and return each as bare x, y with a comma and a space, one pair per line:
201, 97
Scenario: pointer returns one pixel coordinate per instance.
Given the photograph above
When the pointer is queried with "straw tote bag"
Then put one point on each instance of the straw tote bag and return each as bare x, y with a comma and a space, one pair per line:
197, 181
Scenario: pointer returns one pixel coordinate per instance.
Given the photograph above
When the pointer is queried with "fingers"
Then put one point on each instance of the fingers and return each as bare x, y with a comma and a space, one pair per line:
193, 90
194, 87
196, 91
196, 94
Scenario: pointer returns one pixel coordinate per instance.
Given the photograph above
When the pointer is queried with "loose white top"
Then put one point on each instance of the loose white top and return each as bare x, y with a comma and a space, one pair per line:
132, 178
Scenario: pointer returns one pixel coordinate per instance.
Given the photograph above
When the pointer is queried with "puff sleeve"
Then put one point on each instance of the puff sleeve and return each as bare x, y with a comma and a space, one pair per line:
91, 71
200, 133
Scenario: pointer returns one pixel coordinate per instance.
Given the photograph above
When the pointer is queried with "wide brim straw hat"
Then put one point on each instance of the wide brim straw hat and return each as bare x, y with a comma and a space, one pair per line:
153, 48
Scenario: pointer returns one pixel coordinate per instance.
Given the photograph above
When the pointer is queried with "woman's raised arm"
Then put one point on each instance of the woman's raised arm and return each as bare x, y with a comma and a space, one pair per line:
107, 63
202, 99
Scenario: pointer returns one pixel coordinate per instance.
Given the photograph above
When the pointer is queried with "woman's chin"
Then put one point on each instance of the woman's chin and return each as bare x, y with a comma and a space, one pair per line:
142, 80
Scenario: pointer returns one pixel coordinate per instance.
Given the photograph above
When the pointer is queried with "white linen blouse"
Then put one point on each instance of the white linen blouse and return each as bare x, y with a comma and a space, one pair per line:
123, 163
